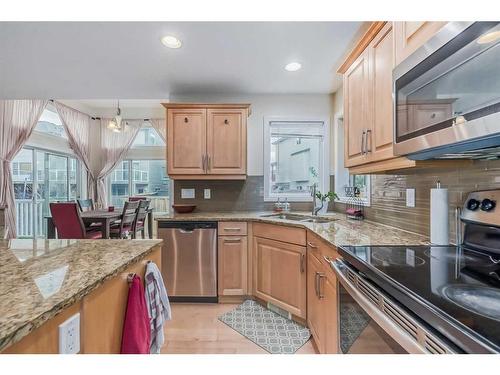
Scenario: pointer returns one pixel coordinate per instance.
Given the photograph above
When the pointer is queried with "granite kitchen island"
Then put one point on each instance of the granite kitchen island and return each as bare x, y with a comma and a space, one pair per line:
44, 282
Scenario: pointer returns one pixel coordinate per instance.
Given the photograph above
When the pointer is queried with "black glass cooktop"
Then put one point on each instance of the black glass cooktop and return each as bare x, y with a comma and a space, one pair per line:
456, 291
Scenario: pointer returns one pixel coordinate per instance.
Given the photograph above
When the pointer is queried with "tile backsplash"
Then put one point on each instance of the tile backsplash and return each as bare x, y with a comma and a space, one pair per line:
245, 195
388, 200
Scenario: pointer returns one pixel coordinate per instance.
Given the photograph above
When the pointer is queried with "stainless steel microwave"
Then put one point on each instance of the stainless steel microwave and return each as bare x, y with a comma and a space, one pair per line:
447, 95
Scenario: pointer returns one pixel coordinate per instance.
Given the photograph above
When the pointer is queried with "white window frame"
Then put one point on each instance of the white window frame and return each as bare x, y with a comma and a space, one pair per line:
341, 174
324, 182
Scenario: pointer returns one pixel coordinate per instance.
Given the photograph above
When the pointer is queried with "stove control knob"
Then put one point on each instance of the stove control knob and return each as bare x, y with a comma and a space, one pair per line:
473, 204
487, 205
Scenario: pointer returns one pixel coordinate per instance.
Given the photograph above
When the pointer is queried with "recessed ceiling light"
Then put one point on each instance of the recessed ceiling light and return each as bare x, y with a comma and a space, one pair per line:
293, 66
171, 41
489, 37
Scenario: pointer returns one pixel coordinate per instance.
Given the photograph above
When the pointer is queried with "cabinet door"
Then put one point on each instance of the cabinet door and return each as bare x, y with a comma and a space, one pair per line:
280, 274
186, 137
232, 259
380, 138
315, 310
331, 311
410, 35
356, 109
226, 141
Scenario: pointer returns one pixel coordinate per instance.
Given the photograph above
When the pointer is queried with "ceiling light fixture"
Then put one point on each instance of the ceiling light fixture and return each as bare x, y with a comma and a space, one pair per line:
171, 41
489, 37
115, 124
293, 66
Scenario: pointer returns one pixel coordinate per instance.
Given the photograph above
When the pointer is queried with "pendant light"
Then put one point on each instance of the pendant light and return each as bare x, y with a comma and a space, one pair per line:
115, 124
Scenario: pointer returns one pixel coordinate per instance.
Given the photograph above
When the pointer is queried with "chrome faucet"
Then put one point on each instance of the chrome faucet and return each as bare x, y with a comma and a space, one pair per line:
315, 208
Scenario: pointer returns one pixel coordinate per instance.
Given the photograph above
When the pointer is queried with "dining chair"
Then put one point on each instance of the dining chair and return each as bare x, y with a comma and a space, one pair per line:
142, 213
134, 199
85, 204
69, 223
125, 225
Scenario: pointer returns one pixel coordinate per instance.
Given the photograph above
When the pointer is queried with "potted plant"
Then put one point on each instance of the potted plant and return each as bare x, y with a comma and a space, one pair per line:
325, 198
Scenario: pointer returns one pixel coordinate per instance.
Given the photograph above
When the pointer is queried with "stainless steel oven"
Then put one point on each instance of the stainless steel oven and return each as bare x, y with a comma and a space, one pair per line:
447, 95
370, 322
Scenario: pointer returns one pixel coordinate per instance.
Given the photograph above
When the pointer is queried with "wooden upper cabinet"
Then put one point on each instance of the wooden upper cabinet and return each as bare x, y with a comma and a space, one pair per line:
226, 141
186, 141
410, 35
207, 141
356, 109
380, 139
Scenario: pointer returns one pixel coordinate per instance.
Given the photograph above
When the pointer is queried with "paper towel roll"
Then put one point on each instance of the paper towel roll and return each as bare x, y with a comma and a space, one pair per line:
440, 225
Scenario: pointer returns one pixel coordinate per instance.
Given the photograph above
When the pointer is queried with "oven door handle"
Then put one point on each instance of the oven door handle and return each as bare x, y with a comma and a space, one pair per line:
375, 313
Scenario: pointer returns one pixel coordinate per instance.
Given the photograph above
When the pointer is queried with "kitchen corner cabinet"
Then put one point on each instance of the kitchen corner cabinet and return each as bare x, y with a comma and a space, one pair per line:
280, 268
368, 104
207, 141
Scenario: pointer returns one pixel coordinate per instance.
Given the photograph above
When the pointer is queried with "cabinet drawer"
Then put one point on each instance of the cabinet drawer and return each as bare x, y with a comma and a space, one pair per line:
232, 228
320, 249
280, 233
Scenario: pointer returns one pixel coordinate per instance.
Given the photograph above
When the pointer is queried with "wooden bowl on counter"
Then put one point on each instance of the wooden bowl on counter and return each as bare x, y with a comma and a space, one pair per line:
183, 208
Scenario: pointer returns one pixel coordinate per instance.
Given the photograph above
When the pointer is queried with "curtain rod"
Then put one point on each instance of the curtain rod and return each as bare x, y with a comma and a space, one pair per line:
126, 119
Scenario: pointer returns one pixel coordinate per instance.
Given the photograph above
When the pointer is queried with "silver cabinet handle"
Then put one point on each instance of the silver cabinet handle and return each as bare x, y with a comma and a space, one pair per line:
302, 263
321, 275
203, 162
316, 283
311, 245
367, 150
232, 240
232, 229
208, 163
363, 143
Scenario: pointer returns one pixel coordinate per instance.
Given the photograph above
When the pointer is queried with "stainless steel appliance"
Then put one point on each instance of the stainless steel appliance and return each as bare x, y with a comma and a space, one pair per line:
447, 95
431, 299
189, 260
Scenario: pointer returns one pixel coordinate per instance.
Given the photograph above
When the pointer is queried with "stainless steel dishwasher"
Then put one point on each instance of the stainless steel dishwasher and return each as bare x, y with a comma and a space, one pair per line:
189, 260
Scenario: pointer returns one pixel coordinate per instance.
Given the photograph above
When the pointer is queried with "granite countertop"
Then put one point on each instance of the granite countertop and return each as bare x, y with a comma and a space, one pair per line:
340, 231
39, 278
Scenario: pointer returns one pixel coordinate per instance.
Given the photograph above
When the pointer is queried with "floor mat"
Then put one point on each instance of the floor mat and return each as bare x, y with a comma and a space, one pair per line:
353, 320
272, 332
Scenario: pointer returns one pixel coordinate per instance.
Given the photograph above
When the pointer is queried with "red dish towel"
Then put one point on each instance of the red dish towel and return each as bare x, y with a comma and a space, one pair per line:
136, 329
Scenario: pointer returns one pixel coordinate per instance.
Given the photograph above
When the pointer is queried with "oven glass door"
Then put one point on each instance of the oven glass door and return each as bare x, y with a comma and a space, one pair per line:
359, 334
458, 83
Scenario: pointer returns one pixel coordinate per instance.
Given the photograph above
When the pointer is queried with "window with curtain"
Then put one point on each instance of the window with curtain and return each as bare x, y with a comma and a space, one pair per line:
295, 158
147, 137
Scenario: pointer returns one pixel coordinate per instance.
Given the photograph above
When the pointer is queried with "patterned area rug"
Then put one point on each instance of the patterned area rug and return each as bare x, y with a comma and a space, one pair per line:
272, 332
353, 320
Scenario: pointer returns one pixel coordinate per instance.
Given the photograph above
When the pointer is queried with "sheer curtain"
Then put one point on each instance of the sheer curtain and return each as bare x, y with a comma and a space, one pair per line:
160, 126
114, 148
17, 121
78, 128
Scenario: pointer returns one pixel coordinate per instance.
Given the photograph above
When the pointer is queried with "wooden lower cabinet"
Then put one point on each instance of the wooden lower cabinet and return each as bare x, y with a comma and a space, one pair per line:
280, 274
322, 297
232, 261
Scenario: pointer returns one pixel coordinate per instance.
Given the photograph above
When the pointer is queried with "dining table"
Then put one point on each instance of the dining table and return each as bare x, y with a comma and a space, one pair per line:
103, 217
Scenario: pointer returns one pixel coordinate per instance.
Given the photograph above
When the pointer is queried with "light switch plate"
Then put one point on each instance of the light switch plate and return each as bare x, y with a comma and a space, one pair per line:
410, 197
187, 193
207, 193
69, 335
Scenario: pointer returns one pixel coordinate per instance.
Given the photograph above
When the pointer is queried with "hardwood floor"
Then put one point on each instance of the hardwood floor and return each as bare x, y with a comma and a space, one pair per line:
195, 329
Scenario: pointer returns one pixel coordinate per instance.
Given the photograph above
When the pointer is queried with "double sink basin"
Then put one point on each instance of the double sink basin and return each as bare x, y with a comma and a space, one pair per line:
300, 218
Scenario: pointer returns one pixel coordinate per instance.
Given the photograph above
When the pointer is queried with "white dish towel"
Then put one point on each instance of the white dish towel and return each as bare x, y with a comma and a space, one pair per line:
158, 306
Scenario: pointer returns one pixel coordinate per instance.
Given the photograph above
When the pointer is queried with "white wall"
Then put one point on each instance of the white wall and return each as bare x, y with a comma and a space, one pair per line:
314, 105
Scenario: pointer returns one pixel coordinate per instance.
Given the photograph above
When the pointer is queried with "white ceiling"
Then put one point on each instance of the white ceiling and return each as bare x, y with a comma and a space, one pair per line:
103, 60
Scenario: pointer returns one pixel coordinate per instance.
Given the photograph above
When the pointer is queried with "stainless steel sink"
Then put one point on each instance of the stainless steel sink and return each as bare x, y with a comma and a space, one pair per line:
301, 218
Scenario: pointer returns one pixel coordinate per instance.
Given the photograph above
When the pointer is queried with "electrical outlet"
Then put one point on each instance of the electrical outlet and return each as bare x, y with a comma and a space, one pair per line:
69, 335
187, 193
410, 197
207, 193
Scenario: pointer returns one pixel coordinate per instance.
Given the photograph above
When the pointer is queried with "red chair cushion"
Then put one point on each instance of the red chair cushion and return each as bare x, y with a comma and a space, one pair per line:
94, 235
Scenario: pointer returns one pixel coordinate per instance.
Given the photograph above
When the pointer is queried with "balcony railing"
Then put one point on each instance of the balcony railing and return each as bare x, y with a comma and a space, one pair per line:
29, 218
